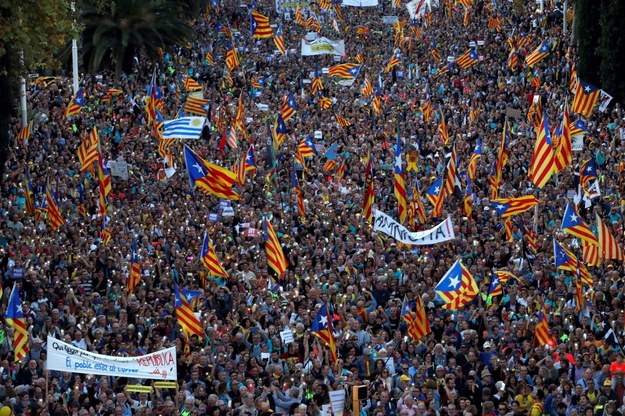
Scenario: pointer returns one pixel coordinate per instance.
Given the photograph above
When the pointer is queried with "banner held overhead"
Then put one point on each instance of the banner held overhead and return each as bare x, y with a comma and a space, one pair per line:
160, 365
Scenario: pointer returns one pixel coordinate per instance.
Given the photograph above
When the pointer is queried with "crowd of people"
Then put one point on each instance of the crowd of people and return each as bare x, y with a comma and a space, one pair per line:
481, 360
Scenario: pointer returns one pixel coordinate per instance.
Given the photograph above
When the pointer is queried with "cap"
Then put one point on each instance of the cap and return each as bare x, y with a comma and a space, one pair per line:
404, 378
500, 386
607, 383
486, 345
366, 351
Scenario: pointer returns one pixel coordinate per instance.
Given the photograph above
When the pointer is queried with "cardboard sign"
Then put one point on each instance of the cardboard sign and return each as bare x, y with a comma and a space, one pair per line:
287, 336
119, 168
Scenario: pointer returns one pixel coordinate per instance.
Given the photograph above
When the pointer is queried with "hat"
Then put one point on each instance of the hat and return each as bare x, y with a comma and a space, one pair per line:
404, 378
500, 386
366, 351
486, 373
607, 383
486, 345
37, 340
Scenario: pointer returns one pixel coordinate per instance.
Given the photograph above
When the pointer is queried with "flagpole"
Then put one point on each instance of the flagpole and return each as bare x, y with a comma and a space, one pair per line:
45, 402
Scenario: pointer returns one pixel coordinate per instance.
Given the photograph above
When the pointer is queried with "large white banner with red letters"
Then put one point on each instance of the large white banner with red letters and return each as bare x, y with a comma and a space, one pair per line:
159, 365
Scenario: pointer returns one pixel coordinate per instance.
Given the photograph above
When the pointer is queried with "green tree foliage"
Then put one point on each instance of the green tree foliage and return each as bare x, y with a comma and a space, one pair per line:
118, 29
588, 33
30, 32
612, 48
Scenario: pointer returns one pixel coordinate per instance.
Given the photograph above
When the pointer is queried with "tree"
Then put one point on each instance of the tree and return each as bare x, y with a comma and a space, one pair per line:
119, 29
588, 33
612, 49
30, 32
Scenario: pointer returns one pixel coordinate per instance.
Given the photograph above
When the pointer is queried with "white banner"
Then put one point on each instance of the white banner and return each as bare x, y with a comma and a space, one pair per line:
323, 46
416, 8
442, 232
360, 3
160, 365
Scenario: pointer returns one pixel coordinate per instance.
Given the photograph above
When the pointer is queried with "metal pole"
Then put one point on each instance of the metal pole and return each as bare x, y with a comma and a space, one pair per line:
564, 10
75, 65
23, 106
74, 58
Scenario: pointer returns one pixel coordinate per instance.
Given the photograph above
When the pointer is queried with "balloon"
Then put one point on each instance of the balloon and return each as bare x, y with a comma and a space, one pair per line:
6, 411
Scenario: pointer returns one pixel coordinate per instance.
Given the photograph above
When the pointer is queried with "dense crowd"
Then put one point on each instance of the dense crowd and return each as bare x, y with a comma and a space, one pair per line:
481, 360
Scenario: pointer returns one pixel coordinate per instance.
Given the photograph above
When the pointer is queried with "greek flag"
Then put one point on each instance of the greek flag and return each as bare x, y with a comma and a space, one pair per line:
184, 128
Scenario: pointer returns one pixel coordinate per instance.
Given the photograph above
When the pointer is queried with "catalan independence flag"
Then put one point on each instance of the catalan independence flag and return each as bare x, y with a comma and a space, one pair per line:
76, 104
209, 258
190, 84
575, 226
609, 246
307, 147
185, 316
15, 318
301, 207
209, 178
247, 163
457, 288
507, 207
538, 54
399, 183
275, 257
289, 108
564, 151
196, 105
322, 329
467, 59
543, 335
367, 203
54, 214
346, 71
279, 40
543, 164
134, 276
30, 195
24, 133
232, 57
586, 97
259, 25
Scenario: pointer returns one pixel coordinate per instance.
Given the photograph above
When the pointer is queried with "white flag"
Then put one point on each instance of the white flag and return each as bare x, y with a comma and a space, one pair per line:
604, 101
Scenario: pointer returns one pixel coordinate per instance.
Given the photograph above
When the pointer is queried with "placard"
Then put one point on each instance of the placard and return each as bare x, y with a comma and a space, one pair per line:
337, 401
227, 212
318, 134
213, 217
119, 168
577, 143
287, 336
389, 20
